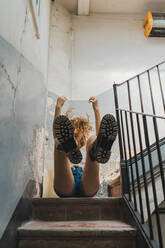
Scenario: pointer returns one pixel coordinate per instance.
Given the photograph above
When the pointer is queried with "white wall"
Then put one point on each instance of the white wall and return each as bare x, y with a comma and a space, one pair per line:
17, 28
110, 48
60, 51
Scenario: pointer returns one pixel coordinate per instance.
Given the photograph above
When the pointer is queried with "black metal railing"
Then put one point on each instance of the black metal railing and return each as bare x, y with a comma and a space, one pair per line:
139, 132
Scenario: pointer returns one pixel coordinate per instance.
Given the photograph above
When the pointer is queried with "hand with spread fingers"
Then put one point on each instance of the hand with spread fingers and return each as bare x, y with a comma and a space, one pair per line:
94, 102
61, 100
95, 106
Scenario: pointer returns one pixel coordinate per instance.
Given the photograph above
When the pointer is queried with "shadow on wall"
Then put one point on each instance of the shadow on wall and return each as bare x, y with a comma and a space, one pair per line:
22, 114
22, 213
108, 171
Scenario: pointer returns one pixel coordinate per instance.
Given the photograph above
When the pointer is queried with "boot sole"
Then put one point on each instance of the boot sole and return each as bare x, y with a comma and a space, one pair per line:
107, 135
65, 134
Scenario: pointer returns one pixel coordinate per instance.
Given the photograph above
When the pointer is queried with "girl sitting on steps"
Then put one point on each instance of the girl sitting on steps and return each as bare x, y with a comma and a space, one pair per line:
72, 138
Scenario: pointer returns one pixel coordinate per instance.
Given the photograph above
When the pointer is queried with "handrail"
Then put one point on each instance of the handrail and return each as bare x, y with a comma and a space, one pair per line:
153, 148
139, 113
134, 135
139, 74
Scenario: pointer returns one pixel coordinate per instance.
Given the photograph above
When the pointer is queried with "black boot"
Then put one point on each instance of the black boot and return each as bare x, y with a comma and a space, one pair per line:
100, 150
65, 135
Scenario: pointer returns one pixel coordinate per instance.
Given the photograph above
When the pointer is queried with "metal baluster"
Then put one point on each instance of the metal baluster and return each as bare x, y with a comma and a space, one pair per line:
157, 137
140, 93
159, 154
135, 154
161, 88
151, 94
144, 178
118, 121
125, 154
132, 176
152, 180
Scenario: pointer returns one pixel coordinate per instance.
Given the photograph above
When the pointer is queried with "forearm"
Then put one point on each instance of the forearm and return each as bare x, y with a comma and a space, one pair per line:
57, 113
97, 120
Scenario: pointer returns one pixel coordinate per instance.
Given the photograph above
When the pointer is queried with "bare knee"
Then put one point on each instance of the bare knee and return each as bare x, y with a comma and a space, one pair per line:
91, 190
63, 190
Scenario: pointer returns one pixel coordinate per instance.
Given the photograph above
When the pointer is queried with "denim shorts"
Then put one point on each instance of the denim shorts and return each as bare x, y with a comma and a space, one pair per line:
78, 190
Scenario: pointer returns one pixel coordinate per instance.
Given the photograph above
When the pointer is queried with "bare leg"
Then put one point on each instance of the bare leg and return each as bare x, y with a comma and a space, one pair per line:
63, 177
90, 177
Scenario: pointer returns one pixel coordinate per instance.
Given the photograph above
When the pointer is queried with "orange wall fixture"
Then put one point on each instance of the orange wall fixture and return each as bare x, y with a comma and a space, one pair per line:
154, 24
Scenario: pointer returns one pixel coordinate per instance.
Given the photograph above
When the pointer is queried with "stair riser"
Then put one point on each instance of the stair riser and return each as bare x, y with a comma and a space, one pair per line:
63, 212
79, 243
77, 213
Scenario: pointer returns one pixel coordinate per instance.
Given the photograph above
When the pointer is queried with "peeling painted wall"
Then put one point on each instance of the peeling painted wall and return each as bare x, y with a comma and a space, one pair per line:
22, 114
23, 80
59, 81
60, 51
17, 28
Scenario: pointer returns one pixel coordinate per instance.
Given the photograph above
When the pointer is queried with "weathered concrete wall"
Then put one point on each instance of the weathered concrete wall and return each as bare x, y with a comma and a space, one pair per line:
23, 102
22, 114
17, 28
60, 51
59, 80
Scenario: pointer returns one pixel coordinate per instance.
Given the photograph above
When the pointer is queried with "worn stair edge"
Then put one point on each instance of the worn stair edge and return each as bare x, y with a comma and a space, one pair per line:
69, 233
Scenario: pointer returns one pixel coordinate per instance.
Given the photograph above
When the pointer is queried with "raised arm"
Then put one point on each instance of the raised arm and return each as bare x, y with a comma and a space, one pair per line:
96, 110
60, 102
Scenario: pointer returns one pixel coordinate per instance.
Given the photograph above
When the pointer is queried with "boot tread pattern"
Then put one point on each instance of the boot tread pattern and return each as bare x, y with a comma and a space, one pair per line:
108, 132
65, 134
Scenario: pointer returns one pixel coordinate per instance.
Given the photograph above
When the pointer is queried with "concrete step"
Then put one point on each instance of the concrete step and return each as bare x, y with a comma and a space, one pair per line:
67, 209
76, 234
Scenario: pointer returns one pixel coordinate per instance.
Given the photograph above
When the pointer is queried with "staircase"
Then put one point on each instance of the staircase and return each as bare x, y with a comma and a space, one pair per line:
110, 222
77, 222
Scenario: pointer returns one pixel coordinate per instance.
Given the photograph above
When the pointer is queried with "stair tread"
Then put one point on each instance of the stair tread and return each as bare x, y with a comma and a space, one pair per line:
43, 225
76, 229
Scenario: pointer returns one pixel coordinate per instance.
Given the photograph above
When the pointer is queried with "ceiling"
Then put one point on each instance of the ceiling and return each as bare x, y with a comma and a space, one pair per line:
70, 5
118, 6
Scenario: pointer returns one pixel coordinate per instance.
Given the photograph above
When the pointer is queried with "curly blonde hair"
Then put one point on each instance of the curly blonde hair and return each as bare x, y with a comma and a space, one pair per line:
82, 125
